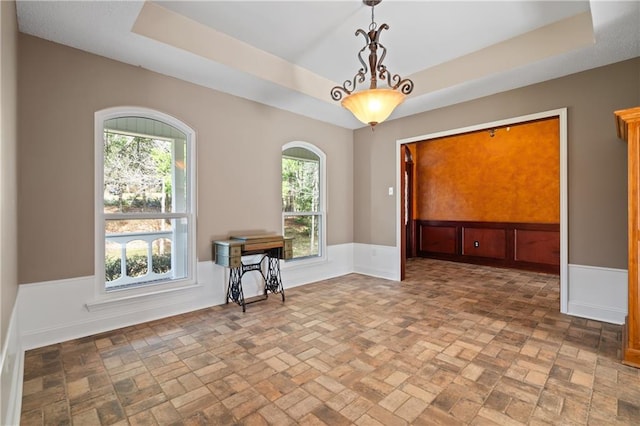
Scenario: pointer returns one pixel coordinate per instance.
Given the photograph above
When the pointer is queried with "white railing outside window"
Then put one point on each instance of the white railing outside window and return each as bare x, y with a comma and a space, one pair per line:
147, 239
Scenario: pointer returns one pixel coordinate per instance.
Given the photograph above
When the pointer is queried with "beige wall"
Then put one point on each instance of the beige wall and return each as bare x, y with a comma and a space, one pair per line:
8, 146
596, 169
238, 150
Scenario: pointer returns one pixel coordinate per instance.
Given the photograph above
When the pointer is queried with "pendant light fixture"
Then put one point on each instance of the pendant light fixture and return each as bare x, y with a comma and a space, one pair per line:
374, 105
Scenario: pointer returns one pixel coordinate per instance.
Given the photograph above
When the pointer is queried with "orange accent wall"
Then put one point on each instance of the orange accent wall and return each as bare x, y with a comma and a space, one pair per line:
513, 176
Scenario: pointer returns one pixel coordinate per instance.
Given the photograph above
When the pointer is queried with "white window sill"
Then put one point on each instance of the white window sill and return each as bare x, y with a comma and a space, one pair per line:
111, 302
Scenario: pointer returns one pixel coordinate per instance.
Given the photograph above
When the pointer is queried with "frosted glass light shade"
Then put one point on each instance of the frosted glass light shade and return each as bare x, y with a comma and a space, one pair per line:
373, 106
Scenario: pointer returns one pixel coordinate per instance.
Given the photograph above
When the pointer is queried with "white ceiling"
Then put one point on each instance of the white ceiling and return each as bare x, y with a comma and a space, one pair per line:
288, 54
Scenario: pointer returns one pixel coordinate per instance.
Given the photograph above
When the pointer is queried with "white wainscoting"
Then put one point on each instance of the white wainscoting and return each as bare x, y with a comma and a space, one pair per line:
338, 262
55, 311
11, 365
598, 293
377, 261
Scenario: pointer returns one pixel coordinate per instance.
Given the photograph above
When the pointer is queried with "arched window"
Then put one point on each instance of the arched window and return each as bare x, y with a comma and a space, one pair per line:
145, 204
303, 199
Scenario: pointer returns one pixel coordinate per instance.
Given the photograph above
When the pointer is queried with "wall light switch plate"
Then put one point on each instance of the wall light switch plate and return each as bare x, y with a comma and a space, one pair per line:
391, 190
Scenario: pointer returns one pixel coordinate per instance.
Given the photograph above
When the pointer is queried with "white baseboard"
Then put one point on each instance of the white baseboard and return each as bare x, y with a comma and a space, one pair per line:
598, 293
377, 261
12, 368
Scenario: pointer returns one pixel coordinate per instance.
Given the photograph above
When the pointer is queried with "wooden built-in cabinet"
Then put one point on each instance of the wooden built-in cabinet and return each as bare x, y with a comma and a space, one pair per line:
531, 246
628, 128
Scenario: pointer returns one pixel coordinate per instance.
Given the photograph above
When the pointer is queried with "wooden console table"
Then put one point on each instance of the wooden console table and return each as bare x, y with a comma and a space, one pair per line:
272, 248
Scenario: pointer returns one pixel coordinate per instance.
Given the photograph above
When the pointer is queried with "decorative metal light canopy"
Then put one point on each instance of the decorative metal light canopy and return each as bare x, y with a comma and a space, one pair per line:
374, 105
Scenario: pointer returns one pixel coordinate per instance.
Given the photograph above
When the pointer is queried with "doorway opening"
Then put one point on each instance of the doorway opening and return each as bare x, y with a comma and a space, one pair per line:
402, 238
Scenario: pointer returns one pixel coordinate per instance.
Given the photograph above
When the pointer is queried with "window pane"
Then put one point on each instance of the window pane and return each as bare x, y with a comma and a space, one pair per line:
137, 174
145, 166
148, 248
305, 231
300, 185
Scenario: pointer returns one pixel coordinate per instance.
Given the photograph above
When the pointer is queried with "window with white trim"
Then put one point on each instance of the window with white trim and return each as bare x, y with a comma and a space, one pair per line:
145, 204
303, 199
